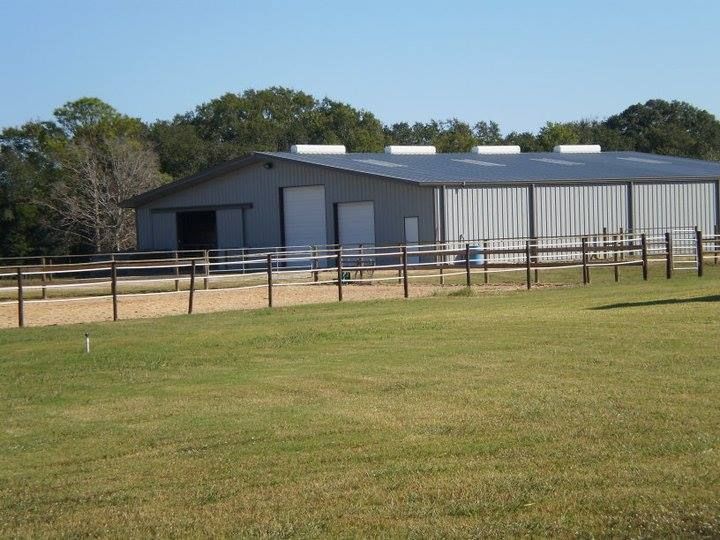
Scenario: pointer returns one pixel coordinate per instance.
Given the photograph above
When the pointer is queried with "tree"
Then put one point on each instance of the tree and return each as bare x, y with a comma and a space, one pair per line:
487, 133
99, 178
673, 128
418, 134
554, 133
454, 136
180, 148
339, 123
92, 118
27, 173
525, 140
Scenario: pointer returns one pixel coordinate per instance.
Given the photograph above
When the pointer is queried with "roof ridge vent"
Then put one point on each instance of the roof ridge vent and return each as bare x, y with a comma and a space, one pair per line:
577, 149
496, 149
408, 150
317, 149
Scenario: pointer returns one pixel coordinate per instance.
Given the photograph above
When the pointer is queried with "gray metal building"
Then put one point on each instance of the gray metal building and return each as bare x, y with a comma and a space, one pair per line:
299, 199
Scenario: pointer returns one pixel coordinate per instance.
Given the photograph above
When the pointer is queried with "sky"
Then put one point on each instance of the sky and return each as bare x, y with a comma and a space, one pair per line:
519, 63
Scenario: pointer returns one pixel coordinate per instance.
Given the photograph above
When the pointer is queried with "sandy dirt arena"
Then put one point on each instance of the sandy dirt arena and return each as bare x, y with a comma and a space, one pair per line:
159, 305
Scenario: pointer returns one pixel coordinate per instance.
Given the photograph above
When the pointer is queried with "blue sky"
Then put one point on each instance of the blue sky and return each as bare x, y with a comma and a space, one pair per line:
519, 63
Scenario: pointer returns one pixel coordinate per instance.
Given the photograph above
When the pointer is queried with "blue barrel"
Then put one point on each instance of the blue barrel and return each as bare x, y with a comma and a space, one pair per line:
477, 256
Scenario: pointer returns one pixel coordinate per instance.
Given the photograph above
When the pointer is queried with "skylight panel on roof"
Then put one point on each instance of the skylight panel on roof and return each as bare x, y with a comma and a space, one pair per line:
644, 160
496, 149
557, 161
478, 162
380, 163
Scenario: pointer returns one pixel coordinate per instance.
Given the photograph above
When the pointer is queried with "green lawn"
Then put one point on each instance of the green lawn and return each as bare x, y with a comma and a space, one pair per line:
559, 411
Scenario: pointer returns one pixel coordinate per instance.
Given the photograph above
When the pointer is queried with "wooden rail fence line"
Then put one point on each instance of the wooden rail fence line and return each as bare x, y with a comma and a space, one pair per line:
530, 255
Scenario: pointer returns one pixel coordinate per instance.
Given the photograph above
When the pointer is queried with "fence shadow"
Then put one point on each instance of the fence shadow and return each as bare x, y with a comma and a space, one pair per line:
663, 302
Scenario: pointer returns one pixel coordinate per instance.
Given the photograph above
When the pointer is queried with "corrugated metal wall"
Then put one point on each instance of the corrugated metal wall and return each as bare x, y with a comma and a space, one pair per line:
486, 212
568, 210
164, 231
261, 187
664, 206
229, 227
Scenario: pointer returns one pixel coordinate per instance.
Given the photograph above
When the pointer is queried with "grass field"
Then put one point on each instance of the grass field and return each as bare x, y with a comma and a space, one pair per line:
559, 411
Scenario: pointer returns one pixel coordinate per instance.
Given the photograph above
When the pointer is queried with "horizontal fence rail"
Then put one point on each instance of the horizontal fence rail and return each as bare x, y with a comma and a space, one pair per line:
122, 275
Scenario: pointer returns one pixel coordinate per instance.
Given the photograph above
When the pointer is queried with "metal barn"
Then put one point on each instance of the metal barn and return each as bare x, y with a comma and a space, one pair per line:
319, 195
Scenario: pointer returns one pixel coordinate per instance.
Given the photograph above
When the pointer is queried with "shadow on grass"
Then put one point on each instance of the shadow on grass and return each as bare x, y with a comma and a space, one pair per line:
663, 302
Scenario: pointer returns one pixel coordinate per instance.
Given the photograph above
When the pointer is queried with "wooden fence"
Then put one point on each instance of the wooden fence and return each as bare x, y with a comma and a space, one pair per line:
338, 266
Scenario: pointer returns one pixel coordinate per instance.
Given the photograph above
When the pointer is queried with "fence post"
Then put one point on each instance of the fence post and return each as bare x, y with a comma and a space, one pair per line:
177, 272
616, 268
361, 261
113, 289
698, 239
668, 256
468, 281
604, 243
269, 280
405, 271
20, 298
192, 287
715, 244
643, 241
528, 264
207, 269
440, 260
314, 263
339, 274
622, 244
584, 261
43, 278
486, 276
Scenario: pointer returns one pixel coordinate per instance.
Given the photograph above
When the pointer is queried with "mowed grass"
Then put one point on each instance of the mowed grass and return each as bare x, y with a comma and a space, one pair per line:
559, 411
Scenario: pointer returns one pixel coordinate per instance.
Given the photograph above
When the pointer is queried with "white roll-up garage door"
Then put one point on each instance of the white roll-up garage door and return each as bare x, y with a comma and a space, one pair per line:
304, 216
356, 223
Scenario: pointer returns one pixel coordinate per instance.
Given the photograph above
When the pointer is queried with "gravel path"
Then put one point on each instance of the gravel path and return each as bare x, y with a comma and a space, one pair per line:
148, 306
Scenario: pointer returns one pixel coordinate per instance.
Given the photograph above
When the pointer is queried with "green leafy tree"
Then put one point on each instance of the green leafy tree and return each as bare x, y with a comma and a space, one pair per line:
28, 172
454, 136
180, 148
339, 123
419, 133
554, 133
668, 127
487, 133
526, 140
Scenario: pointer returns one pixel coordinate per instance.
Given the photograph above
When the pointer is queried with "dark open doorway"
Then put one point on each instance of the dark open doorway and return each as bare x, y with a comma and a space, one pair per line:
197, 230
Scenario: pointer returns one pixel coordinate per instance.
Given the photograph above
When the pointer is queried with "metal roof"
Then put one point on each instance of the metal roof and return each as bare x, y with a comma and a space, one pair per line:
512, 168
469, 168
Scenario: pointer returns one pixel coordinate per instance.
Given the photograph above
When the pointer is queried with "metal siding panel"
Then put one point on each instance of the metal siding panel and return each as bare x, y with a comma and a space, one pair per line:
164, 231
144, 229
571, 210
229, 227
486, 213
667, 206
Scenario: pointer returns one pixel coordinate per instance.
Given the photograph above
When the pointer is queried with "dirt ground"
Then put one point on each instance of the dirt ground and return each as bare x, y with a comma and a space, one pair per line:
149, 305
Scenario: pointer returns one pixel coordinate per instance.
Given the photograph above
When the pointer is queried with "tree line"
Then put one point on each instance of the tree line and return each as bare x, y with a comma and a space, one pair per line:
61, 180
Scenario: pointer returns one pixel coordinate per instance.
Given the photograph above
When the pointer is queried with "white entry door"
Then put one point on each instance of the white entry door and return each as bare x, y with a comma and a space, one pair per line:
412, 237
356, 224
304, 216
